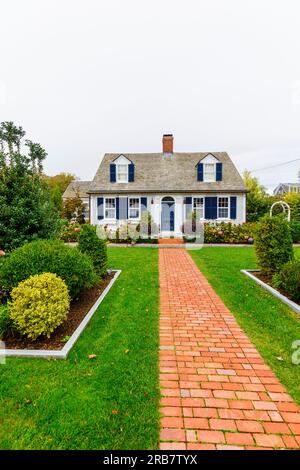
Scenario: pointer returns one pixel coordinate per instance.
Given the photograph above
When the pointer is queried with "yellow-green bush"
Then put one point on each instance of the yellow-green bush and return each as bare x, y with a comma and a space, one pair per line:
39, 305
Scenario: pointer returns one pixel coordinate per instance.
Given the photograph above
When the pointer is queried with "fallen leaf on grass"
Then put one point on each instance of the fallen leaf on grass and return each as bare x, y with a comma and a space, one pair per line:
126, 351
92, 356
114, 412
27, 401
279, 358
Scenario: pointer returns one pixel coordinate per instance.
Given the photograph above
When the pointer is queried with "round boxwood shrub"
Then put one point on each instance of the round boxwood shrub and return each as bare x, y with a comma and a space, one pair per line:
39, 305
288, 279
94, 247
273, 244
50, 256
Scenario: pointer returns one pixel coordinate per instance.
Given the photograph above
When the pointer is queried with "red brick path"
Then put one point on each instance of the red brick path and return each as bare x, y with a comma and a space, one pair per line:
217, 392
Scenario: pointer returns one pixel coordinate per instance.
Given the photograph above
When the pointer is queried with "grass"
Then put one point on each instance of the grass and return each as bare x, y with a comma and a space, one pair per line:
110, 402
270, 324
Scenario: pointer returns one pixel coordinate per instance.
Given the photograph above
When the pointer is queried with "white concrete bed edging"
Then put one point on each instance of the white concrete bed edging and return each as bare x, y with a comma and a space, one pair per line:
62, 353
273, 291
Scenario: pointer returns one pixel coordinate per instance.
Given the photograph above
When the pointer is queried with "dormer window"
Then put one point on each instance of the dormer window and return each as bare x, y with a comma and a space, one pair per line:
121, 170
209, 169
122, 173
209, 172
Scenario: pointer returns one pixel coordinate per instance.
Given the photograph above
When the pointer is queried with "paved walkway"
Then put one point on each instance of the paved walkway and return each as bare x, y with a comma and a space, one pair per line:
217, 392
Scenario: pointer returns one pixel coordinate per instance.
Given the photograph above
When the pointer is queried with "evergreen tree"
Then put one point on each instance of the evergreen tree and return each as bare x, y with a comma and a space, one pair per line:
26, 209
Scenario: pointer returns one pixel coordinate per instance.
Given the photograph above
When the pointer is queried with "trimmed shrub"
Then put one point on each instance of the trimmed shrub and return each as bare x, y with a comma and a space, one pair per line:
273, 244
295, 231
288, 279
39, 305
49, 256
5, 321
94, 247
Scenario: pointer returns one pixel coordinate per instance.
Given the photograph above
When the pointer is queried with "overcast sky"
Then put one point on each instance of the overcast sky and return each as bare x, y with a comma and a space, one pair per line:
94, 76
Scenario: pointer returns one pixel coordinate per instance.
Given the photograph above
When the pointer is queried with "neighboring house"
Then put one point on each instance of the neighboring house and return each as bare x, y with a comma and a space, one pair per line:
79, 188
169, 185
285, 188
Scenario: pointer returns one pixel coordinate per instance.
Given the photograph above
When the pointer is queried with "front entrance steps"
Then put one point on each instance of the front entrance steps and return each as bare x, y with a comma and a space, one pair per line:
170, 241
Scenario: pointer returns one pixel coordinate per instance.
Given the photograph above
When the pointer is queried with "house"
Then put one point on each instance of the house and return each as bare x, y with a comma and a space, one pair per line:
79, 188
169, 185
285, 188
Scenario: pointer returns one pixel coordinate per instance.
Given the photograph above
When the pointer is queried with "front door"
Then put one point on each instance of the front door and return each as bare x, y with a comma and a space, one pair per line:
167, 214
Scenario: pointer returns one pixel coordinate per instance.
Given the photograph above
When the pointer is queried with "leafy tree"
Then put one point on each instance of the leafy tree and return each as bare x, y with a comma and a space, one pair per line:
58, 184
56, 197
73, 208
293, 201
61, 179
258, 202
26, 209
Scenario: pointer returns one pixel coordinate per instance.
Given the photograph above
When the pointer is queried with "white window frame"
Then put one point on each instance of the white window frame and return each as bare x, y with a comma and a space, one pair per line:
228, 208
213, 178
139, 209
105, 208
194, 210
117, 172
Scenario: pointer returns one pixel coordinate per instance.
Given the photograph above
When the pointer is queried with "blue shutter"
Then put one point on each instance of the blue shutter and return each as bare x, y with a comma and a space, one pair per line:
113, 177
188, 205
200, 172
117, 208
211, 208
143, 204
219, 172
100, 208
122, 208
131, 172
233, 207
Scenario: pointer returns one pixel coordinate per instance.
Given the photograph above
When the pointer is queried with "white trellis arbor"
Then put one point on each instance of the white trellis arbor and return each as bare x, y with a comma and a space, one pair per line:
285, 207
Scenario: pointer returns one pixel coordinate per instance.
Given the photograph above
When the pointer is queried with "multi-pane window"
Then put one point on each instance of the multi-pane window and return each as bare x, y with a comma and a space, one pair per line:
122, 173
86, 212
223, 207
110, 208
209, 172
198, 207
134, 208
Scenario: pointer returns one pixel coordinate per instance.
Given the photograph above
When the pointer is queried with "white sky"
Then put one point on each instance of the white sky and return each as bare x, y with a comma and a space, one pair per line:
88, 77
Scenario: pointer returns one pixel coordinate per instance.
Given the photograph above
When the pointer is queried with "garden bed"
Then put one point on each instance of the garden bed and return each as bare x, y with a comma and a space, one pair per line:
65, 336
265, 282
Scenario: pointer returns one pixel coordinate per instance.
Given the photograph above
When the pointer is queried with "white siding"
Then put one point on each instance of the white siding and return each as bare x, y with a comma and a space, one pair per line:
154, 207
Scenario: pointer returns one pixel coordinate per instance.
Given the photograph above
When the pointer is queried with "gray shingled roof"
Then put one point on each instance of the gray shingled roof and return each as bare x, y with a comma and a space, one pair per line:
153, 173
80, 187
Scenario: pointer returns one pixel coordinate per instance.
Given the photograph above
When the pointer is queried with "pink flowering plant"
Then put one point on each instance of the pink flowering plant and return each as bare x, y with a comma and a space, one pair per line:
70, 232
226, 232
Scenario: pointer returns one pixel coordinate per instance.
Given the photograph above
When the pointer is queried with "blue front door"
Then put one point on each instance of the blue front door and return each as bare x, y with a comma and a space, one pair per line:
167, 214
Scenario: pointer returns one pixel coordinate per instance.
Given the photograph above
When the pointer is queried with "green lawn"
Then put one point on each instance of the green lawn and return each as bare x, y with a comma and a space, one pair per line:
270, 324
110, 402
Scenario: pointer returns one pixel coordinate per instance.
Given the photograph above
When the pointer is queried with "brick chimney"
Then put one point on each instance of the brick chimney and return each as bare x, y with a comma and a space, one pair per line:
167, 143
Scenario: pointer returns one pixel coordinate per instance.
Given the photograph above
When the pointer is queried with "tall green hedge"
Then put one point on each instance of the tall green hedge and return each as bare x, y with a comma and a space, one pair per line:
273, 244
94, 247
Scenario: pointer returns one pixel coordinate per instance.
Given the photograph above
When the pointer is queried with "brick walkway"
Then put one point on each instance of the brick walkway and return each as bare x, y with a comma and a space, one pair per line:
217, 392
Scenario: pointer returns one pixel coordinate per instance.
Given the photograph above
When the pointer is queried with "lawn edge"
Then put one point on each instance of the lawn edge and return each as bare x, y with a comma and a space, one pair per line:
273, 291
